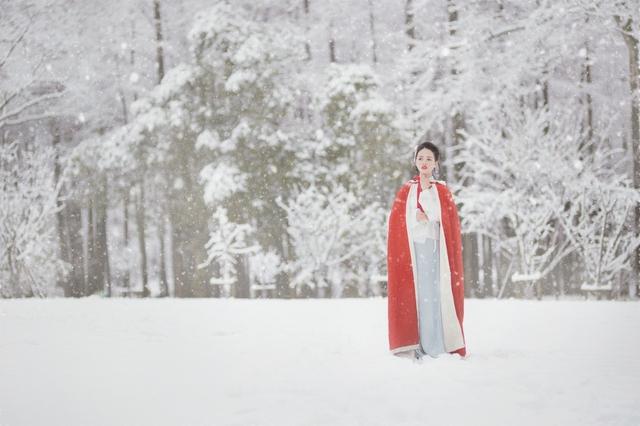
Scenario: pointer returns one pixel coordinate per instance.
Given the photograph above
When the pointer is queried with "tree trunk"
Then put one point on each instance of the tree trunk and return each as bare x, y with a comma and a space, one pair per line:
487, 267
409, 25
63, 242
125, 232
101, 254
307, 46
374, 55
242, 285
75, 286
92, 267
457, 122
452, 10
183, 266
283, 290
469, 241
586, 79
142, 246
126, 279
470, 264
159, 52
190, 234
164, 287
634, 88
504, 270
332, 44
97, 256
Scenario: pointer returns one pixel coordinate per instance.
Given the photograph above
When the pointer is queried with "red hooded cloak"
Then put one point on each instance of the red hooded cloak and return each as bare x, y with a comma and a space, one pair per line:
401, 290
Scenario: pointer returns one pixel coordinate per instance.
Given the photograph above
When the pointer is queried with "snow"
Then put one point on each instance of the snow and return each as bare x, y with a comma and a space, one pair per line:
311, 362
526, 277
226, 241
239, 79
335, 241
596, 287
174, 82
220, 181
209, 139
265, 267
28, 209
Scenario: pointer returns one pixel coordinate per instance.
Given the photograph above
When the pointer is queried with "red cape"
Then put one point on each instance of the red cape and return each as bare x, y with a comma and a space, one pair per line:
403, 317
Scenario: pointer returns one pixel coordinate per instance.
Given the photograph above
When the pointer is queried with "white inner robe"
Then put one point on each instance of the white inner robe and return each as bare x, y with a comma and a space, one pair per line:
453, 338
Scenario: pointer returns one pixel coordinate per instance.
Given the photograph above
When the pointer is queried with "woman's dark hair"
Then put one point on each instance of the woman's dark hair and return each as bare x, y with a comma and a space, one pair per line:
425, 143
430, 146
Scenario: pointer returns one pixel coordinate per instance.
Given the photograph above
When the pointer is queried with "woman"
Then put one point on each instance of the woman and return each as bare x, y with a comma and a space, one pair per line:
424, 263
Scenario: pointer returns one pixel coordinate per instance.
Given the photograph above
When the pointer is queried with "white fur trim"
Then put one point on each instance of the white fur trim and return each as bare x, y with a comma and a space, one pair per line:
396, 351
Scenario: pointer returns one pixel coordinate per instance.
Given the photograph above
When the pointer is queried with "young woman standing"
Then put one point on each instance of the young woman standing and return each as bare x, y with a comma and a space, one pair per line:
425, 283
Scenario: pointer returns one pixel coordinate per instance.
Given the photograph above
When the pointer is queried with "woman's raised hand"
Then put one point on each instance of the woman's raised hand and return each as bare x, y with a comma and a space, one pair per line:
421, 216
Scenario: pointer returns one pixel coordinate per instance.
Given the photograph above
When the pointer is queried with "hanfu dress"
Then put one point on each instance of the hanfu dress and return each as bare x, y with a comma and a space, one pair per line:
425, 282
426, 240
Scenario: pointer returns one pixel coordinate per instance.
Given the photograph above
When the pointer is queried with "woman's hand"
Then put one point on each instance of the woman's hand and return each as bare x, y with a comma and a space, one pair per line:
421, 216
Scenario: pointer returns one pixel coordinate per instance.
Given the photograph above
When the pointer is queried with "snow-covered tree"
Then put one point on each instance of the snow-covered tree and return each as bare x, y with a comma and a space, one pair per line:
227, 241
597, 222
29, 262
510, 167
362, 139
331, 232
218, 122
264, 266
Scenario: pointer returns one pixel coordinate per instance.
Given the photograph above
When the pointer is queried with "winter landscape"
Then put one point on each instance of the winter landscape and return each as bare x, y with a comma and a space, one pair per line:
194, 200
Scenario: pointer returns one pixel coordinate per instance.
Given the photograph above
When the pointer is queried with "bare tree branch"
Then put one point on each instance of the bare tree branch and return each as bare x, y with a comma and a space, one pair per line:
28, 118
15, 44
5, 117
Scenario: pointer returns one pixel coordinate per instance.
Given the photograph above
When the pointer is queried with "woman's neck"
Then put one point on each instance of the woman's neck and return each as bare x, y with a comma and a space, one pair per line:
425, 181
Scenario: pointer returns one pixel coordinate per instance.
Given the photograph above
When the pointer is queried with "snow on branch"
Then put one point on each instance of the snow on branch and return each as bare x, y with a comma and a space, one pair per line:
226, 242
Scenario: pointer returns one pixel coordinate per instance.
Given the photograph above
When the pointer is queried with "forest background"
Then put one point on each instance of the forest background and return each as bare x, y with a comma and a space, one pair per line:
253, 149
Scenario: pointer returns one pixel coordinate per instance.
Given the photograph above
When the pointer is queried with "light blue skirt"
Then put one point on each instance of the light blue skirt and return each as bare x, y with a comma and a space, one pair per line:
428, 295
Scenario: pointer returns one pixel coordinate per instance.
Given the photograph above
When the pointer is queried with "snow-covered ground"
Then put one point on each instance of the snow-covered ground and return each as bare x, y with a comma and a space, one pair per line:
312, 362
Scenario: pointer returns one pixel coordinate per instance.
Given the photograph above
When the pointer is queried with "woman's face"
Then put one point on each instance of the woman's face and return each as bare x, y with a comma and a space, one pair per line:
426, 162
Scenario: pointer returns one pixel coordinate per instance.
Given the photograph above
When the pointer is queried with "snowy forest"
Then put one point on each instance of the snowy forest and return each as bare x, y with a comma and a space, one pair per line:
252, 149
